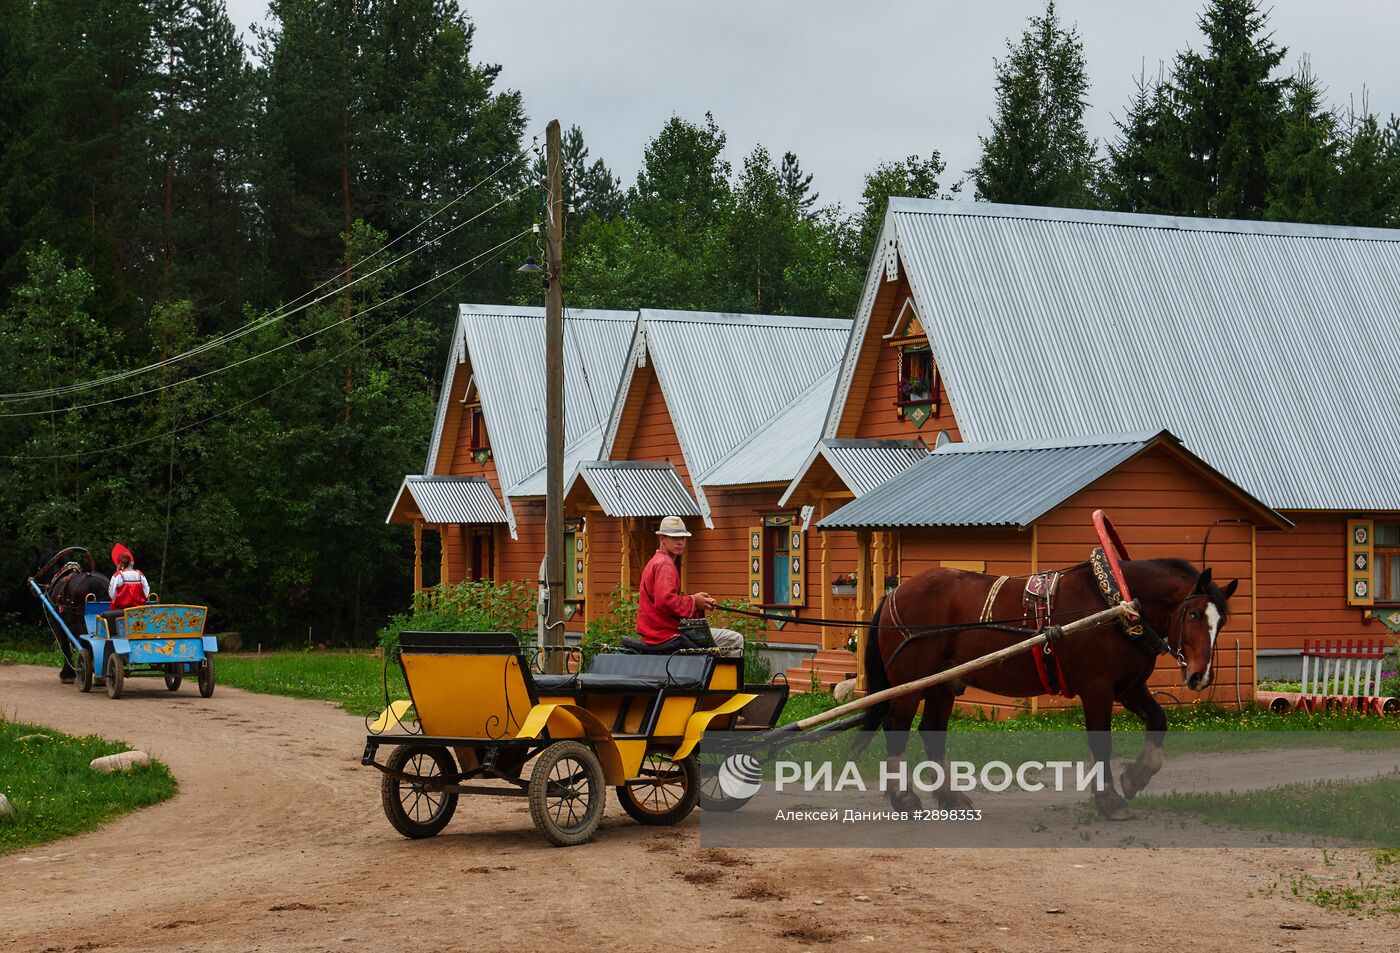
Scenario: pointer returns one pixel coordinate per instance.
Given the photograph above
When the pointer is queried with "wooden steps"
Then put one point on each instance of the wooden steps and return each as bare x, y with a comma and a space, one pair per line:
831, 666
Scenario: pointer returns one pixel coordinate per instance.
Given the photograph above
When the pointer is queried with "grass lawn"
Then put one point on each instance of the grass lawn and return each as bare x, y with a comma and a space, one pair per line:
353, 680
1362, 811
54, 792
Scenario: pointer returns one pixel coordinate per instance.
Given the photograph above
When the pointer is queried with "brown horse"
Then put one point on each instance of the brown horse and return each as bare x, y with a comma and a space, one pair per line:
1182, 609
69, 587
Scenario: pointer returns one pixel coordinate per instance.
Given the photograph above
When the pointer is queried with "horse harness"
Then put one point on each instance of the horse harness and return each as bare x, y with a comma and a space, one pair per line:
1037, 601
1135, 628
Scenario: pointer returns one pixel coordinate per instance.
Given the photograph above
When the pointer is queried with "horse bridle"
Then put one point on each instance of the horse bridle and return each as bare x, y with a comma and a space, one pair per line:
1178, 651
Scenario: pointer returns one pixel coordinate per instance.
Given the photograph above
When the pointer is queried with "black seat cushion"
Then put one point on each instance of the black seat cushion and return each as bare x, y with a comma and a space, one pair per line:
674, 644
672, 671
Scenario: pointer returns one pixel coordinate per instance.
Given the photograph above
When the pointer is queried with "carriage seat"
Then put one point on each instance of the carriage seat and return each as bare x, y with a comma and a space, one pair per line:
116, 627
674, 644
633, 673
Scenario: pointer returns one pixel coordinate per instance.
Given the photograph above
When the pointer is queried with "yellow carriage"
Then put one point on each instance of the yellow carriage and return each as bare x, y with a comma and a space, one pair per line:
479, 720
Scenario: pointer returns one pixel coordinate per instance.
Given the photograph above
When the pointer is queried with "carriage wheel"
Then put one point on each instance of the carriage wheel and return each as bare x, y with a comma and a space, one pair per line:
566, 793
665, 793
417, 808
710, 792
84, 669
206, 678
115, 669
173, 677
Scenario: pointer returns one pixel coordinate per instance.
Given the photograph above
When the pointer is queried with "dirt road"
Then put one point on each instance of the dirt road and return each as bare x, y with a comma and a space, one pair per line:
276, 842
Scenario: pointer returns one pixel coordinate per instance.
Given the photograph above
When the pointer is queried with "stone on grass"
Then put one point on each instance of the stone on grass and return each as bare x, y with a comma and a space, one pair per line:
845, 690
6, 808
123, 761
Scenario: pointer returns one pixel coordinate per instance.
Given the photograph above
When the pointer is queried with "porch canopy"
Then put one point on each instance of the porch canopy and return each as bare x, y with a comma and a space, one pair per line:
444, 500
1011, 484
858, 466
628, 488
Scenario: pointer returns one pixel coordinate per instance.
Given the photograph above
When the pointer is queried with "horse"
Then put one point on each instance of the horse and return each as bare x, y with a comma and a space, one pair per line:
1183, 609
68, 587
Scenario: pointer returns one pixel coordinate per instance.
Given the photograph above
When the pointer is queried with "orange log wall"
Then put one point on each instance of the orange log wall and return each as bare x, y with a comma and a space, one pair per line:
1303, 586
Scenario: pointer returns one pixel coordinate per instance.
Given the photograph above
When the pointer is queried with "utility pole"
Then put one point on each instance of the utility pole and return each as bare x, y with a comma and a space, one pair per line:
554, 396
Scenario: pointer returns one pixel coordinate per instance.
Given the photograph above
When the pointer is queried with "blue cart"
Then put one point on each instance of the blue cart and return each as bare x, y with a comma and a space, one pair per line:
151, 640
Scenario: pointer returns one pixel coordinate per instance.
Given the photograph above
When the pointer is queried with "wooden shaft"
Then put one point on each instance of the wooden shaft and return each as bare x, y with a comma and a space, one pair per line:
928, 681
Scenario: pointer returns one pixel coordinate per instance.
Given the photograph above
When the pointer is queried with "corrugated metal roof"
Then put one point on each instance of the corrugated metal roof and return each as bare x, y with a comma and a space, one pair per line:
726, 376
448, 499
960, 485
637, 489
865, 464
506, 349
774, 452
1267, 348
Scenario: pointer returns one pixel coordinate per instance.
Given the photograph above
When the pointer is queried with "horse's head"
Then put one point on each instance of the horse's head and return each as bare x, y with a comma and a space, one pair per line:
1195, 626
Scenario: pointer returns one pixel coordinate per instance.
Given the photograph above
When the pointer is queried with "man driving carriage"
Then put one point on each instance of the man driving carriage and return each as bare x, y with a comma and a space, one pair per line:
661, 605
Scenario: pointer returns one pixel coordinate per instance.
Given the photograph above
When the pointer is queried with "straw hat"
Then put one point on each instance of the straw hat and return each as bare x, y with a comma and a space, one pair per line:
672, 526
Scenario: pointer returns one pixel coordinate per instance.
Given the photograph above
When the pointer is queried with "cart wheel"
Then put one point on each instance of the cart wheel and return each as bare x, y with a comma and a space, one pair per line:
566, 793
665, 792
84, 669
206, 678
116, 674
711, 793
173, 678
414, 809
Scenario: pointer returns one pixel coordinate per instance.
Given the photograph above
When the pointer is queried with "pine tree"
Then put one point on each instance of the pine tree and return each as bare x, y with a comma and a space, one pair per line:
1138, 174
1038, 152
762, 235
1231, 110
797, 186
1303, 163
1367, 187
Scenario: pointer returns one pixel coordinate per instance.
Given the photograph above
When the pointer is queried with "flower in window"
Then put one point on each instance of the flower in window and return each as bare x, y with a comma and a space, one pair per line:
844, 579
916, 388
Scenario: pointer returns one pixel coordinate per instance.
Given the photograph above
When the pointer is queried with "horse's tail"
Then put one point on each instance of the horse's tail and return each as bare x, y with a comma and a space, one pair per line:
876, 678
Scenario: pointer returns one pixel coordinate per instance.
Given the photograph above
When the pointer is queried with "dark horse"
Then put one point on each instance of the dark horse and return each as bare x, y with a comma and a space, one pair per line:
1183, 609
68, 586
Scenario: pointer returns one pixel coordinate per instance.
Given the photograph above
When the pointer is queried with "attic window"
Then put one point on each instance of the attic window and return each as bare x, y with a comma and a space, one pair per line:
480, 446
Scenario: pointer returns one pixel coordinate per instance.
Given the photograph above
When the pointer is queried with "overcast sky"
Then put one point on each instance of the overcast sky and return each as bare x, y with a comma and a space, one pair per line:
847, 84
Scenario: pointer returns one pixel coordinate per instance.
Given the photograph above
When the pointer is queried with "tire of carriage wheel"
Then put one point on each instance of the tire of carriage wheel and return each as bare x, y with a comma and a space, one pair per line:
173, 678
116, 674
660, 805
710, 795
206, 678
404, 802
565, 774
84, 669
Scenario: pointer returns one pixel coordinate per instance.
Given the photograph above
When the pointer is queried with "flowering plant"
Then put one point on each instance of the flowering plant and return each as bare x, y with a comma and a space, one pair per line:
915, 388
844, 579
892, 580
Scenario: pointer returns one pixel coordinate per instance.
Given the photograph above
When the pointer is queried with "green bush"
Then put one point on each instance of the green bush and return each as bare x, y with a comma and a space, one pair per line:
608, 628
755, 632
466, 607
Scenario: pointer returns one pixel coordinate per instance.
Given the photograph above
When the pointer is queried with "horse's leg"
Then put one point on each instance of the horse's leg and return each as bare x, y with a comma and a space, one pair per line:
898, 720
1098, 720
1140, 702
933, 729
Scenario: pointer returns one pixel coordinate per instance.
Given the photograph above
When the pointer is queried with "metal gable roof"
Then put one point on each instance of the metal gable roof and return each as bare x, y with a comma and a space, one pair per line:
1267, 348
440, 499
774, 452
726, 376
506, 348
636, 489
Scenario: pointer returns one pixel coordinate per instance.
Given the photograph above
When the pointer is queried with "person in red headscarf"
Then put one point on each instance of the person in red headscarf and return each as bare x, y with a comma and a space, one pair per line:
129, 586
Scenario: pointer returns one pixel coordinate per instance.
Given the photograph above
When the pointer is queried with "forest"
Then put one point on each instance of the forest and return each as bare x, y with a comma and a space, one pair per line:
229, 269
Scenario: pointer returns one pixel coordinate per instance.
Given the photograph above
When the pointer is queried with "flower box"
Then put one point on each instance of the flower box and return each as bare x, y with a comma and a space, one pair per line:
843, 590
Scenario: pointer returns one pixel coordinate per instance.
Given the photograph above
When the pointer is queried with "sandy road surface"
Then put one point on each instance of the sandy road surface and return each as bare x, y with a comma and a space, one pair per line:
276, 842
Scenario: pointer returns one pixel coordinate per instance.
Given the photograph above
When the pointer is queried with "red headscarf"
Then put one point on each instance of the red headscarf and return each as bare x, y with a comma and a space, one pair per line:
118, 551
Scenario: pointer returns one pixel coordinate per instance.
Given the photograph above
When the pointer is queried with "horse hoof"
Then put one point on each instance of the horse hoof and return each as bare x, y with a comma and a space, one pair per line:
1113, 808
1129, 784
905, 801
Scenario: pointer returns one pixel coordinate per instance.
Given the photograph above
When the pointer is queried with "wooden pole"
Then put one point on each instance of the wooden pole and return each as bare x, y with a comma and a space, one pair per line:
864, 606
928, 681
442, 559
554, 397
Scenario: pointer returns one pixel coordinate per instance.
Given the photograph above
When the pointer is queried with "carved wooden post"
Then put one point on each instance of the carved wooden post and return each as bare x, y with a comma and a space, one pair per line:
417, 555
443, 566
624, 576
824, 580
864, 605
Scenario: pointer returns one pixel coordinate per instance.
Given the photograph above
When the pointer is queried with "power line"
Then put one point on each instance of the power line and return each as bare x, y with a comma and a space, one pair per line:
271, 390
246, 360
286, 311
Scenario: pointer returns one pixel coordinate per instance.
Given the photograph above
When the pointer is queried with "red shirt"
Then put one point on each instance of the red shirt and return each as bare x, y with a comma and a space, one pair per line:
660, 605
